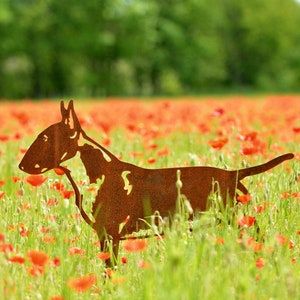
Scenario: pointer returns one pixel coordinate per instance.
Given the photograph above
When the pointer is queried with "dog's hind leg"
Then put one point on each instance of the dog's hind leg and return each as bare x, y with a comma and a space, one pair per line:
242, 188
113, 248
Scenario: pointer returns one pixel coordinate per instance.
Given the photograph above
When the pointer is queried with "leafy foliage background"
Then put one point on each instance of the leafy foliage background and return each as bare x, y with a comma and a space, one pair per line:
134, 47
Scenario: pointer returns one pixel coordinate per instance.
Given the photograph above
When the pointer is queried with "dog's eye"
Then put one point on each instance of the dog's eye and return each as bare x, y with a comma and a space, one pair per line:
45, 138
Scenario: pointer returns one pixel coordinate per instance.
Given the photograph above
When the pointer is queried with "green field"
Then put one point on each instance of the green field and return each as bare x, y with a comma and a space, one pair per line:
48, 252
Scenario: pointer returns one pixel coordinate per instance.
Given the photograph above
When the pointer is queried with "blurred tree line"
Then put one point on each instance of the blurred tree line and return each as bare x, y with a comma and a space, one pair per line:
145, 47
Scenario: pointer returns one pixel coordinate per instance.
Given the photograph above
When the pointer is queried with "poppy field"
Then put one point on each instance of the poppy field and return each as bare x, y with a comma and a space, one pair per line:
247, 251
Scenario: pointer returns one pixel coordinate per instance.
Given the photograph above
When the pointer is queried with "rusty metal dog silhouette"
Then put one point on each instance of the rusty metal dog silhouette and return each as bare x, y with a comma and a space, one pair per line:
126, 190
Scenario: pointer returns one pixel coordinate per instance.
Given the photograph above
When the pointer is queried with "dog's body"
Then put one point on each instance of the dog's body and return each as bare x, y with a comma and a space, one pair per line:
128, 192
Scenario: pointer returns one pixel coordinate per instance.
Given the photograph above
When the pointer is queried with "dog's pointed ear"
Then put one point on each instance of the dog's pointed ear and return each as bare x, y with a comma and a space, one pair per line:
63, 111
70, 106
69, 116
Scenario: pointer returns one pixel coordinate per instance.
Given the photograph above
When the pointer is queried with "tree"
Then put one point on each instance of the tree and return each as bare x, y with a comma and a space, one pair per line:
133, 47
259, 38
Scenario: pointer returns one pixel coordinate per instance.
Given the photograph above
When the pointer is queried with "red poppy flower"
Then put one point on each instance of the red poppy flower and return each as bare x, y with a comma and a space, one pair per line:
152, 146
5, 248
260, 263
254, 147
296, 129
248, 136
58, 171
35, 271
12, 227
67, 194
49, 239
25, 206
218, 112
106, 141
122, 225
15, 179
23, 118
109, 273
24, 231
2, 183
163, 152
55, 262
244, 198
143, 264
285, 195
256, 246
4, 138
83, 283
103, 255
1, 237
246, 221
52, 202
57, 186
295, 195
2, 194
259, 208
92, 189
38, 258
76, 250
249, 150
36, 180
134, 245
97, 243
218, 144
281, 239
17, 136
23, 150
17, 259
136, 154
220, 241
57, 298
151, 160
45, 230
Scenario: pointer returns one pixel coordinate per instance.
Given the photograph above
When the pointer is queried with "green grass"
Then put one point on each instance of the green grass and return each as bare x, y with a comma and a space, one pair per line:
217, 260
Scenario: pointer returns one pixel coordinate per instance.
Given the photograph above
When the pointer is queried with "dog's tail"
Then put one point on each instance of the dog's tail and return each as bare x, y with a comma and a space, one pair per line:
264, 167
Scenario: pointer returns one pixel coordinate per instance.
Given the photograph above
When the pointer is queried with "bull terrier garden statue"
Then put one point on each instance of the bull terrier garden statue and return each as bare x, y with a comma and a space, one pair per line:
126, 191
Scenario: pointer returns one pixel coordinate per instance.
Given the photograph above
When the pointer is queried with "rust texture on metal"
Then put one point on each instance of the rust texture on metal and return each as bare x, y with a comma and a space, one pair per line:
128, 192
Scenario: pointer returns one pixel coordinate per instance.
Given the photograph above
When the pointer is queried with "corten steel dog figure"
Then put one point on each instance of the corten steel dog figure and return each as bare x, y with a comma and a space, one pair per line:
128, 189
